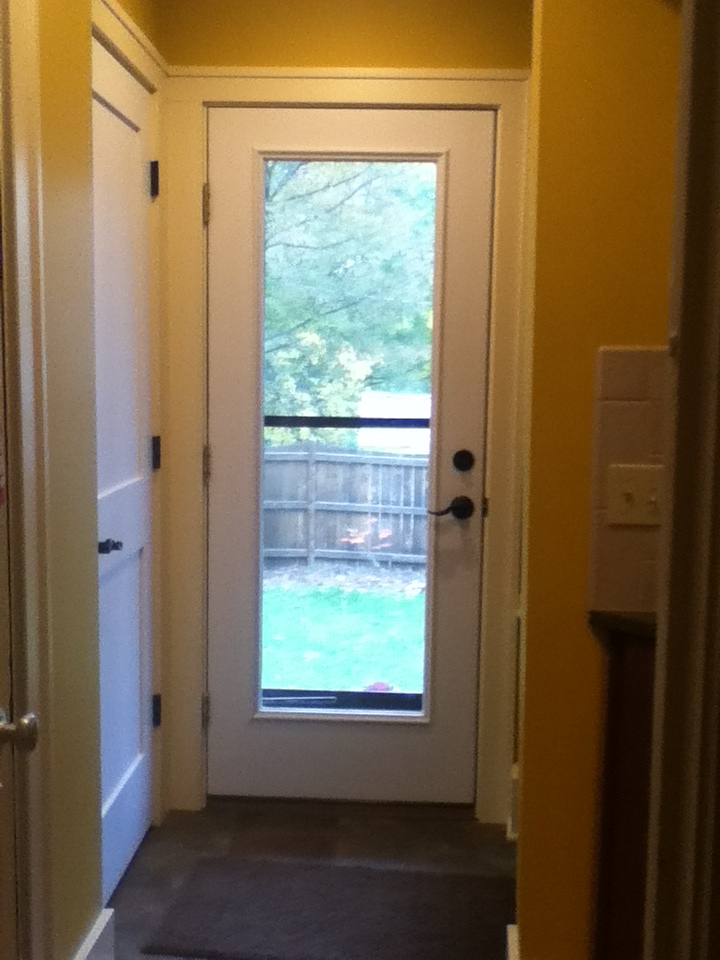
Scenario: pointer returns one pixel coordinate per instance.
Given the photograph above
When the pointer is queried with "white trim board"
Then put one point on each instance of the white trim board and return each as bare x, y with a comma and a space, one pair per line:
346, 73
513, 943
111, 20
375, 89
99, 944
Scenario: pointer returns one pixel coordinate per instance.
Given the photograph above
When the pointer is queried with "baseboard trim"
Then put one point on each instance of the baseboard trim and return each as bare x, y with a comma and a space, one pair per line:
99, 944
513, 943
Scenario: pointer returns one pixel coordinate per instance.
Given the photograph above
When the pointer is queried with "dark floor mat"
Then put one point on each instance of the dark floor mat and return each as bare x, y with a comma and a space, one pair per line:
232, 909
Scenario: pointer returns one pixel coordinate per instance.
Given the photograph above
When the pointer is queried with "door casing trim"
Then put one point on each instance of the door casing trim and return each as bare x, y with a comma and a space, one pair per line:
184, 104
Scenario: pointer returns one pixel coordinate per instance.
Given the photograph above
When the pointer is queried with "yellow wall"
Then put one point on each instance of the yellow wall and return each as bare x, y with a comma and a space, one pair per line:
604, 112
340, 33
145, 15
603, 120
70, 731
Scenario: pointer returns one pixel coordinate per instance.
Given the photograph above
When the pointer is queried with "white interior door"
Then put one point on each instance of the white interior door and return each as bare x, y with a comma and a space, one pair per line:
343, 626
121, 199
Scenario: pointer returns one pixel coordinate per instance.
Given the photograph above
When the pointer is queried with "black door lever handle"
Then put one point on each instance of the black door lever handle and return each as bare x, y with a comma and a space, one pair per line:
462, 508
108, 546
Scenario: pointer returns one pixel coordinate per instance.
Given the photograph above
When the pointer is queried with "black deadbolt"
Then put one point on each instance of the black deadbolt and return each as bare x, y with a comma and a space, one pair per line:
463, 460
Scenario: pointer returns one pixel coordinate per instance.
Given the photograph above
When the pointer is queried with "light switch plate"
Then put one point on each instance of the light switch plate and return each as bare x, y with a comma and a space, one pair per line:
634, 494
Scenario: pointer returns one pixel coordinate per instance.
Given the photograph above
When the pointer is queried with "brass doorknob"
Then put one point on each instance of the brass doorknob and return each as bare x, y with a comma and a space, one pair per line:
23, 734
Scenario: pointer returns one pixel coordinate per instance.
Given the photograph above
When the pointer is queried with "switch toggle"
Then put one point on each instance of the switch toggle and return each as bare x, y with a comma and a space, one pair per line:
635, 494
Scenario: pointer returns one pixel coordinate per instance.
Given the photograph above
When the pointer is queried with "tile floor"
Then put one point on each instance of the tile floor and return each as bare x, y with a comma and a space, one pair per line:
445, 839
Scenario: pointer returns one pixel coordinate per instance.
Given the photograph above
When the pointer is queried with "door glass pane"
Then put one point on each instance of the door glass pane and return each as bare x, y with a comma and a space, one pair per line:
348, 300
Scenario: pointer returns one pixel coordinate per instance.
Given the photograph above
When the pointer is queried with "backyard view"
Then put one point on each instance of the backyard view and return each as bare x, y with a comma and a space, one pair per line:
342, 628
349, 261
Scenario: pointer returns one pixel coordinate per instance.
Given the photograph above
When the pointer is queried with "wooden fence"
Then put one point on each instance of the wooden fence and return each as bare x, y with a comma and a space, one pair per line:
344, 505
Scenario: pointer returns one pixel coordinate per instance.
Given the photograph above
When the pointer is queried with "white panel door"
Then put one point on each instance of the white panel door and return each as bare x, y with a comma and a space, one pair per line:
344, 622
121, 199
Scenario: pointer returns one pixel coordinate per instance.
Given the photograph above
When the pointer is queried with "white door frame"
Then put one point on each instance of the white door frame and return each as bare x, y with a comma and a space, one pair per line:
186, 95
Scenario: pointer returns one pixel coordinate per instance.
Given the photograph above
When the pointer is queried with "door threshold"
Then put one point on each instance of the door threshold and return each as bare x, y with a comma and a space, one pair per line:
330, 808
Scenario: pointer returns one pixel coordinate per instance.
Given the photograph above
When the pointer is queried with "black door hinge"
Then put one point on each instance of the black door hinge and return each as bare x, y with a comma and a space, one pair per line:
156, 453
154, 178
206, 204
205, 710
157, 710
206, 464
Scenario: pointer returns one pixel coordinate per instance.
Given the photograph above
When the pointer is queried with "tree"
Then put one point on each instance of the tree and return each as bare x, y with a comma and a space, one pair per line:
349, 259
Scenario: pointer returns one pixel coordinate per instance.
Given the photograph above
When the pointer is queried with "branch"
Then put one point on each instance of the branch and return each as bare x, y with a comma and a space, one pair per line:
283, 337
291, 173
324, 187
324, 211
345, 306
306, 246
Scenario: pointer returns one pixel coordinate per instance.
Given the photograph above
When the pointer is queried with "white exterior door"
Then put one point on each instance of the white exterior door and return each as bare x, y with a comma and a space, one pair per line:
329, 445
121, 201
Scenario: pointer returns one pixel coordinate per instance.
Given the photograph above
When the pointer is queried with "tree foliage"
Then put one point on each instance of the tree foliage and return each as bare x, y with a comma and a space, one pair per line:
349, 256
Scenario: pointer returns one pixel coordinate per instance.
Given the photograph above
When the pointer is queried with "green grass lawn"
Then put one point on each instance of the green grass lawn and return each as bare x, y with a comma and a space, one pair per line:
317, 638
